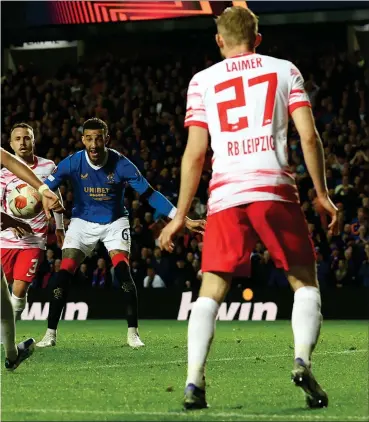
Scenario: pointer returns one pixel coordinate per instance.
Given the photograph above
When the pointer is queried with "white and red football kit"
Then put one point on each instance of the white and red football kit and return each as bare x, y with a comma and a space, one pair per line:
245, 102
20, 258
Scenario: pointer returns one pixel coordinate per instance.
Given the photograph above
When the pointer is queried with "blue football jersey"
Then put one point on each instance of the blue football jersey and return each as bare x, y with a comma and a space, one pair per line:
98, 191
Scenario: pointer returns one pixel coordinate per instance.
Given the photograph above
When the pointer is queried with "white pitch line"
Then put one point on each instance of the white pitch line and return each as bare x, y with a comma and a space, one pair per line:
200, 415
179, 361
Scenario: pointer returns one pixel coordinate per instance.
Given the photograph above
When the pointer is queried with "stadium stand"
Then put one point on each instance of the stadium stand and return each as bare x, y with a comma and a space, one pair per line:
143, 101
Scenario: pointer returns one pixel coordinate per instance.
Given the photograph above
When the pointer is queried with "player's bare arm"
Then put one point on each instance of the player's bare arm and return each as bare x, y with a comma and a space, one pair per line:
191, 169
20, 227
49, 199
20, 170
197, 226
312, 148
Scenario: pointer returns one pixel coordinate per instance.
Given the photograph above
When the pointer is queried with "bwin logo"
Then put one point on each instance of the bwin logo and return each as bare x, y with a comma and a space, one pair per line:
246, 311
39, 312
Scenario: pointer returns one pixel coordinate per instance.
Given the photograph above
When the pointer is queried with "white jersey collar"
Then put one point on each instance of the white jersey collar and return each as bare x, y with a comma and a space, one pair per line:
102, 164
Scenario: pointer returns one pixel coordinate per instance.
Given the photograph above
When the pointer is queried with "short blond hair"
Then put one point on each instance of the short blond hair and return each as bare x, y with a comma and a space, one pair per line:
238, 26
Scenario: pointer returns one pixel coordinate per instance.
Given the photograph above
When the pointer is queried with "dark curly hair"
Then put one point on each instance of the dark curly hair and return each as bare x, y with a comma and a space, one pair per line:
95, 124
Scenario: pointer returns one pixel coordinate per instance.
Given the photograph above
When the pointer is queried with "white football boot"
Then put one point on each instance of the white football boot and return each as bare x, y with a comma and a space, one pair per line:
49, 339
133, 338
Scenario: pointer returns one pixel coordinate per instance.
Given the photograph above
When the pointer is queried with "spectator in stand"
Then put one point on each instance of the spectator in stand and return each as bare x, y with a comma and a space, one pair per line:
199, 208
55, 268
347, 237
275, 277
100, 277
362, 219
146, 258
323, 270
82, 275
349, 257
363, 236
342, 277
334, 259
46, 268
182, 275
138, 273
196, 265
364, 269
153, 280
161, 265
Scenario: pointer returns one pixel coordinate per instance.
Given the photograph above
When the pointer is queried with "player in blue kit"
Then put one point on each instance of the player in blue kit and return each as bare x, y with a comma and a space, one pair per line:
99, 176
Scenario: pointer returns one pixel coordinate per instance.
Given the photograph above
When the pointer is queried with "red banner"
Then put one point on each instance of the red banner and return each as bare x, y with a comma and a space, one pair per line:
79, 12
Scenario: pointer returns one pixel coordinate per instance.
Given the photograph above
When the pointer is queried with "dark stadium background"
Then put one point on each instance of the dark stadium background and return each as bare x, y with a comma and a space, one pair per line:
326, 40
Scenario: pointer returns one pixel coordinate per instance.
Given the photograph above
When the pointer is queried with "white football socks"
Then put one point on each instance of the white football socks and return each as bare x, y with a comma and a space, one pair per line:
306, 321
7, 322
201, 328
19, 303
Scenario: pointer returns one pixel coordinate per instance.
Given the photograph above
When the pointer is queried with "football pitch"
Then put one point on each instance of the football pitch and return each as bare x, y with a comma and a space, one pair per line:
93, 375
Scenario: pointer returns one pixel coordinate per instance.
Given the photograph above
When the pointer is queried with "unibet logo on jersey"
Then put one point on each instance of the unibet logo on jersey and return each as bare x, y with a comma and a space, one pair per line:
37, 311
248, 311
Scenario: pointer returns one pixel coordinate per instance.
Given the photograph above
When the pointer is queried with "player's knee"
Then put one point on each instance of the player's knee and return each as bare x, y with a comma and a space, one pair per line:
122, 272
302, 276
118, 258
69, 264
20, 288
215, 286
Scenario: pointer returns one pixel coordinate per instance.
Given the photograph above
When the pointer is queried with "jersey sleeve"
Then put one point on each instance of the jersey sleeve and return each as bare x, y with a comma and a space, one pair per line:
60, 173
130, 173
195, 111
297, 96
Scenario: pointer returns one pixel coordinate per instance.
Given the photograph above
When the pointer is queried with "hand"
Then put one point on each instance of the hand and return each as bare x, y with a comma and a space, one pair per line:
324, 206
197, 226
19, 227
51, 202
167, 234
60, 236
157, 227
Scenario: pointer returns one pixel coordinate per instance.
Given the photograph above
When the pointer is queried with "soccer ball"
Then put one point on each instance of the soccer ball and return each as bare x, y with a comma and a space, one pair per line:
25, 202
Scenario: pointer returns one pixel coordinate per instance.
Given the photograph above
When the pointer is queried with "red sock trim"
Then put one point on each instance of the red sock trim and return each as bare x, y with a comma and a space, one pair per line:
119, 257
69, 264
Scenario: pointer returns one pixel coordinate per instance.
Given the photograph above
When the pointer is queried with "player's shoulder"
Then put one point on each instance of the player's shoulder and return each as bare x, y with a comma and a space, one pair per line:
76, 155
284, 68
117, 157
72, 162
74, 159
44, 162
121, 163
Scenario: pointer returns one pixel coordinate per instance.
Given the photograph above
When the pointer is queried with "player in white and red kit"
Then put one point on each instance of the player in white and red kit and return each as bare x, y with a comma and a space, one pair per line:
244, 102
16, 354
21, 257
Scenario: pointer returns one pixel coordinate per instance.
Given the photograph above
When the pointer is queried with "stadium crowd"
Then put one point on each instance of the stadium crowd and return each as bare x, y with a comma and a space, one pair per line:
144, 106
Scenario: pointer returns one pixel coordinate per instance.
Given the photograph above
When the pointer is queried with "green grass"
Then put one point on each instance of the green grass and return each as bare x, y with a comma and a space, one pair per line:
92, 375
